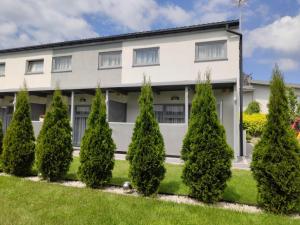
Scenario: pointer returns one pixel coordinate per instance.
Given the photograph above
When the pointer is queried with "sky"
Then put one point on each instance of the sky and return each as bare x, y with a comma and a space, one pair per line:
271, 28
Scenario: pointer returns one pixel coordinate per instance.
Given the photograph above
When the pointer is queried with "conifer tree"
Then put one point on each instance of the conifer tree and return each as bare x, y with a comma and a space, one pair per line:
97, 146
1, 138
146, 152
206, 154
292, 103
19, 142
54, 143
275, 163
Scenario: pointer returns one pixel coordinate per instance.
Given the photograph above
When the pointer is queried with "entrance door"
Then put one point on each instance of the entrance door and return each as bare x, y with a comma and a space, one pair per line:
6, 116
80, 123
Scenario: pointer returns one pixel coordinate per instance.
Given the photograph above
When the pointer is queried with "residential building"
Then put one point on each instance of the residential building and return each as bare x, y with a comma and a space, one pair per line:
171, 58
258, 90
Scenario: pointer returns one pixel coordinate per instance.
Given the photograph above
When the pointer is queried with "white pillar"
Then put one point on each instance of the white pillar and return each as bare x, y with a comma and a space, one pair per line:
236, 135
107, 103
72, 109
186, 104
15, 101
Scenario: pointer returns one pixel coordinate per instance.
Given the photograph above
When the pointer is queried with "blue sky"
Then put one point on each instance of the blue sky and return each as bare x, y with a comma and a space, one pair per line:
271, 28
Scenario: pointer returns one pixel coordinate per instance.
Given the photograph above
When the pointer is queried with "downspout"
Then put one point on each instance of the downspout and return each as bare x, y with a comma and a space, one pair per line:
241, 86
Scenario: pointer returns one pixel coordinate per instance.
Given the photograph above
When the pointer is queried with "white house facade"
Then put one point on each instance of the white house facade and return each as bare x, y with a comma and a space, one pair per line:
171, 58
257, 90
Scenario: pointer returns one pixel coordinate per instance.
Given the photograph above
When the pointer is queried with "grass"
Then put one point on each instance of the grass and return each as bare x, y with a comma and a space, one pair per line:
29, 203
241, 188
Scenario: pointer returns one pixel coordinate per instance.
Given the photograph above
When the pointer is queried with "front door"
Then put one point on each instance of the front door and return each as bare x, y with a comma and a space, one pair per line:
6, 116
80, 123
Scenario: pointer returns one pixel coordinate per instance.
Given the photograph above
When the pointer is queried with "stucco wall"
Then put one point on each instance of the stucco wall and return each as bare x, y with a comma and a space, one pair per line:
177, 58
261, 94
15, 68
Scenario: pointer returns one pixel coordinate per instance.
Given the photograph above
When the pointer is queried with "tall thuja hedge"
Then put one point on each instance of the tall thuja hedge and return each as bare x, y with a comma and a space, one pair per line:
54, 143
206, 154
146, 152
97, 146
18, 143
275, 164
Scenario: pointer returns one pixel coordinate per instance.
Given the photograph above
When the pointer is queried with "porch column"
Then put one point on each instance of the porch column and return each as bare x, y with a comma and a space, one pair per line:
72, 109
15, 101
186, 104
107, 103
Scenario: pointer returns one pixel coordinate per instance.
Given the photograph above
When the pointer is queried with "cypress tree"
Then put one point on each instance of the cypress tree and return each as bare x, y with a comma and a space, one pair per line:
54, 143
18, 142
275, 163
206, 154
1, 137
146, 152
97, 146
292, 103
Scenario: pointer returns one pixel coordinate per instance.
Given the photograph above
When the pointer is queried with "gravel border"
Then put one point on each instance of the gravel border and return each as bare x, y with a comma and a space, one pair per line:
162, 197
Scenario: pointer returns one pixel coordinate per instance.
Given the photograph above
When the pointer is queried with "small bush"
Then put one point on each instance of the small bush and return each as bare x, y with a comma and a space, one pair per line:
254, 124
54, 143
253, 107
97, 147
146, 152
18, 142
275, 164
206, 154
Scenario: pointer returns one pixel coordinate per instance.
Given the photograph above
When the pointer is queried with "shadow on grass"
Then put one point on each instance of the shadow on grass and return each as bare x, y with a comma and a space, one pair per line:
170, 187
231, 195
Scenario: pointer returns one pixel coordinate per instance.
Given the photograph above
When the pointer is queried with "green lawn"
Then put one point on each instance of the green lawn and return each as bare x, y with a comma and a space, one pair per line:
241, 188
30, 203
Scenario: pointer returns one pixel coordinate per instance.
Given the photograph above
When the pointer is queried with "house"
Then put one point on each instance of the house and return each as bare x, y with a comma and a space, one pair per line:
258, 90
171, 58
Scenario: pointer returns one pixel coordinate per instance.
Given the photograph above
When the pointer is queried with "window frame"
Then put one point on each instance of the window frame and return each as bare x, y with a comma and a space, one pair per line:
164, 106
100, 67
60, 71
134, 64
33, 60
3, 64
197, 44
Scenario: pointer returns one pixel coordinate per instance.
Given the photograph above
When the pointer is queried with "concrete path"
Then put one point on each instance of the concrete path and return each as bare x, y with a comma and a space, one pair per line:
237, 164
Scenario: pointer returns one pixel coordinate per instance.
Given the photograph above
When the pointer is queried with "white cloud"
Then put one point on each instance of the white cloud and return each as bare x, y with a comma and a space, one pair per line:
281, 36
32, 22
287, 64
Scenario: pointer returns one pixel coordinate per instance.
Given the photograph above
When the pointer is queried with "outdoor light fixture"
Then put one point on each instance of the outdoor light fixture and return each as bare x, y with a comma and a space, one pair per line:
82, 99
175, 98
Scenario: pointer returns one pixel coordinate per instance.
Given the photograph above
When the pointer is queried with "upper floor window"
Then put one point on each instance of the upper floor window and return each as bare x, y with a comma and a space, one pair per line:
62, 64
110, 59
2, 69
146, 56
35, 66
213, 50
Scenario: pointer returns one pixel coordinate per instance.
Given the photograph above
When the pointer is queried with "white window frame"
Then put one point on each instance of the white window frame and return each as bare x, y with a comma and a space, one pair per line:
134, 64
30, 61
60, 71
4, 65
197, 59
100, 66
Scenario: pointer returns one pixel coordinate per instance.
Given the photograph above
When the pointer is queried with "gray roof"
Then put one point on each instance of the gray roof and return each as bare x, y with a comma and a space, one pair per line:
114, 38
267, 83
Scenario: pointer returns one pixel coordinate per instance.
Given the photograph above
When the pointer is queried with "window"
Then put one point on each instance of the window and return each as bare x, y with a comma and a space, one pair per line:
2, 69
169, 113
110, 59
35, 66
215, 50
146, 56
62, 64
